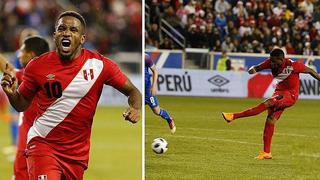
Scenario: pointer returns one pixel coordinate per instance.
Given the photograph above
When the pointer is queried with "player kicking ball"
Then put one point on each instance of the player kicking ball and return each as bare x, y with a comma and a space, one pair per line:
151, 91
285, 95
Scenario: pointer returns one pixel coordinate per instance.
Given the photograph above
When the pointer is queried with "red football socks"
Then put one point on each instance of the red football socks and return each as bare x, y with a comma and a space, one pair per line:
267, 136
251, 112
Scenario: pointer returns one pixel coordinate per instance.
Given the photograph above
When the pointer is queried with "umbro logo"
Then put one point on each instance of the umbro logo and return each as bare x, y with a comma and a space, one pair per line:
50, 76
218, 80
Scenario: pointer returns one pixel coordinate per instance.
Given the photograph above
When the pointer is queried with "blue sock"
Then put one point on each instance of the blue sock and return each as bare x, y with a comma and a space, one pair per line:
14, 131
165, 115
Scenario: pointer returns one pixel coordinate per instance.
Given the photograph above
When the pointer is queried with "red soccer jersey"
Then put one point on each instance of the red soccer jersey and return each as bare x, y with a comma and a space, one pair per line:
287, 75
27, 117
68, 93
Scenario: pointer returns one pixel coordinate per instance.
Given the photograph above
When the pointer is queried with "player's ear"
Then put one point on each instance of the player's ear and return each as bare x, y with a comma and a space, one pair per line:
33, 54
83, 39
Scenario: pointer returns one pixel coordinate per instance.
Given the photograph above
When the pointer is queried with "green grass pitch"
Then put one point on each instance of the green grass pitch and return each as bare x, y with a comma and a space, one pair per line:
116, 147
206, 147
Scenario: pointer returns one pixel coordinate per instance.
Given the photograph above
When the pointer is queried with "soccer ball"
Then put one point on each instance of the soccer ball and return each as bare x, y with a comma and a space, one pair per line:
159, 145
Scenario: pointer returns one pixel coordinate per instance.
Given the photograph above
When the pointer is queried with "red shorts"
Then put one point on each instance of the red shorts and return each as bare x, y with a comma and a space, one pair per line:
43, 164
280, 101
20, 163
20, 166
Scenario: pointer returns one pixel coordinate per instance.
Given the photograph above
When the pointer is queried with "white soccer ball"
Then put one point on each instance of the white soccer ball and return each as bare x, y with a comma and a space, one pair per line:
159, 145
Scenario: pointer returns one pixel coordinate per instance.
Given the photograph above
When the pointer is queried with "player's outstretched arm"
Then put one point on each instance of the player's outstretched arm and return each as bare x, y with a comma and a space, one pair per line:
312, 73
154, 80
254, 69
132, 114
9, 85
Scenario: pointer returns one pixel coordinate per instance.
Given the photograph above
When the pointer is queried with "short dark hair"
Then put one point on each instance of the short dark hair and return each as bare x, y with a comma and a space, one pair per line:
36, 44
73, 14
277, 52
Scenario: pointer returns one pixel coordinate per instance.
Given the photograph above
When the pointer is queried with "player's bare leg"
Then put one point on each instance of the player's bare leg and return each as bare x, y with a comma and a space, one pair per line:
164, 114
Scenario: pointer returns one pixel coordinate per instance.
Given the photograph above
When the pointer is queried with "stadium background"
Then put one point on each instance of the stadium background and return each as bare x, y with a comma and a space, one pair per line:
185, 38
113, 29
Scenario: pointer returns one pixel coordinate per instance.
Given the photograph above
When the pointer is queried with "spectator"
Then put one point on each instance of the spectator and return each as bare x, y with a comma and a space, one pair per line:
227, 45
278, 11
192, 36
153, 34
310, 64
289, 48
202, 37
250, 9
239, 9
210, 36
221, 6
166, 44
217, 46
307, 7
307, 49
221, 24
245, 28
190, 7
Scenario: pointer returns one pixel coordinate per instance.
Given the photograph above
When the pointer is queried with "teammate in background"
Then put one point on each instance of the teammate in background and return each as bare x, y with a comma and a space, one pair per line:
67, 84
151, 91
13, 115
31, 47
286, 94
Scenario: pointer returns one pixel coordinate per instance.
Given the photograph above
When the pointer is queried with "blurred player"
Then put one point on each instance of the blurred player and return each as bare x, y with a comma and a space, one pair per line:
286, 94
31, 47
10, 115
67, 84
151, 91
13, 115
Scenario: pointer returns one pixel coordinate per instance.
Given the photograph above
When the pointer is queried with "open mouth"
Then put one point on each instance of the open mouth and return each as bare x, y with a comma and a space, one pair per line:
66, 44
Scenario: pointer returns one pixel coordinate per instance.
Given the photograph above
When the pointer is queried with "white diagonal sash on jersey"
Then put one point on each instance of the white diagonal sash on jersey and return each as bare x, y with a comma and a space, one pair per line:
284, 74
71, 96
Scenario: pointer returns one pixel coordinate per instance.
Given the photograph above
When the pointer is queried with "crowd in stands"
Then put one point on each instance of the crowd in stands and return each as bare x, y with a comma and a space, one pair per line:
111, 25
253, 26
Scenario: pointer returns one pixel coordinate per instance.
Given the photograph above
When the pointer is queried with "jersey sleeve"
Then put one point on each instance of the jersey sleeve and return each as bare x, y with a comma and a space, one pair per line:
29, 86
114, 76
298, 67
265, 64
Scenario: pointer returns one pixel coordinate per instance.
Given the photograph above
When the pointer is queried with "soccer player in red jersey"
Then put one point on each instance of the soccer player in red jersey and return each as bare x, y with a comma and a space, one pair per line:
285, 95
67, 84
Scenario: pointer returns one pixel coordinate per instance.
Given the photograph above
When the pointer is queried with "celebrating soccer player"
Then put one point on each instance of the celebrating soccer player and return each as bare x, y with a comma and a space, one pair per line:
286, 94
67, 84
151, 91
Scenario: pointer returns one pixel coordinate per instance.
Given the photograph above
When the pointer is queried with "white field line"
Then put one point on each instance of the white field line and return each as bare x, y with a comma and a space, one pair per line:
246, 132
216, 139
312, 155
